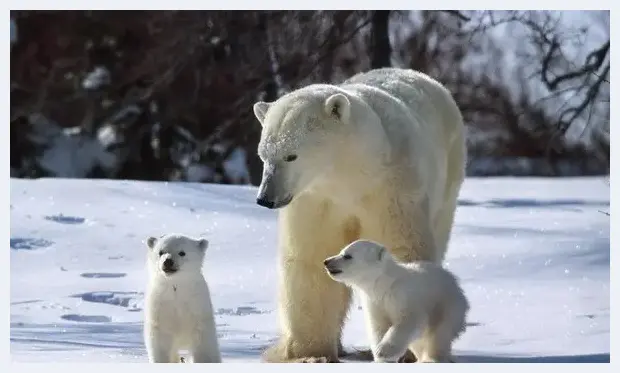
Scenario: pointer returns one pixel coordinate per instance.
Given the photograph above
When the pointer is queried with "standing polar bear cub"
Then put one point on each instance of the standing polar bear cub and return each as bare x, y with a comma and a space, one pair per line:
380, 156
178, 309
421, 303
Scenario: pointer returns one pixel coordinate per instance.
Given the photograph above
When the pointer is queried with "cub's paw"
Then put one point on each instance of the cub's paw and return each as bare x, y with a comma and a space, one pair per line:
387, 352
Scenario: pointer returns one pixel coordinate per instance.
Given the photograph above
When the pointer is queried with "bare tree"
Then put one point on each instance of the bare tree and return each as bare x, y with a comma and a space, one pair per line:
507, 106
575, 75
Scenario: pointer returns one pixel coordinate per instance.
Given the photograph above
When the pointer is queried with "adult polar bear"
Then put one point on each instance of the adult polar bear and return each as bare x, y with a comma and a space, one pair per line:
380, 156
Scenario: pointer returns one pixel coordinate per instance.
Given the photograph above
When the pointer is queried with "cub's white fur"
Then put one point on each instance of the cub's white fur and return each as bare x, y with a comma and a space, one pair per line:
417, 305
178, 309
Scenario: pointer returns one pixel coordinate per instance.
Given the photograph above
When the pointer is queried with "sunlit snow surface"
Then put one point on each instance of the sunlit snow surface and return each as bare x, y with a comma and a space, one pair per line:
532, 255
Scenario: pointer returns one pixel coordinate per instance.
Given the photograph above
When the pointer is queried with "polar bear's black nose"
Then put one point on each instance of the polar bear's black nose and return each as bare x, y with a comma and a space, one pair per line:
326, 262
265, 203
168, 263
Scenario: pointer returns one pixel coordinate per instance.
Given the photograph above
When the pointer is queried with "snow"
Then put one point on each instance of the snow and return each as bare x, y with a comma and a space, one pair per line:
96, 78
108, 136
533, 255
67, 151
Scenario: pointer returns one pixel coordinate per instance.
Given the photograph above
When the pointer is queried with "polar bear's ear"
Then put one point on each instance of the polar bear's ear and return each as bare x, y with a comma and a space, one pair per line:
203, 244
150, 242
260, 110
338, 106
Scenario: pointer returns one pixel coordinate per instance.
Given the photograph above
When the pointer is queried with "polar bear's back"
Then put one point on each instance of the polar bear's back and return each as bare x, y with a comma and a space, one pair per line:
405, 84
396, 81
435, 281
427, 102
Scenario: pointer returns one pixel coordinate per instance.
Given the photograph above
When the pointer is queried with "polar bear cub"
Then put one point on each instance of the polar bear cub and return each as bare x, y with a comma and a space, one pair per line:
417, 305
178, 309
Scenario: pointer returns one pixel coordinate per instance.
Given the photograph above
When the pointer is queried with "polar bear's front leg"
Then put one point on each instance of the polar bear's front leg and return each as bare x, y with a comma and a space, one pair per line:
396, 340
312, 311
312, 306
159, 347
377, 323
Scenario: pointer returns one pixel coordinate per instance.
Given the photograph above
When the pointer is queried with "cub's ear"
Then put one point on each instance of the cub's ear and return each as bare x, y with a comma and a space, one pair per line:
260, 110
203, 244
151, 241
338, 106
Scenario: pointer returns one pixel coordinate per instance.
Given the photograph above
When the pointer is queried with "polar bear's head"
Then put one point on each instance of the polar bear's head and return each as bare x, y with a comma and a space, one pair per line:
300, 141
173, 254
360, 261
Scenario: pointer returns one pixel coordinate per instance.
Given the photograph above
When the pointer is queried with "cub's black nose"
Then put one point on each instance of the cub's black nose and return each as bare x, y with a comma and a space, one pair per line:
326, 262
265, 203
168, 263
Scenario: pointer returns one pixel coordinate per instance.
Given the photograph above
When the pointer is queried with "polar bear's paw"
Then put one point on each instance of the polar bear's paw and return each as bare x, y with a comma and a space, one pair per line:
366, 355
320, 359
286, 351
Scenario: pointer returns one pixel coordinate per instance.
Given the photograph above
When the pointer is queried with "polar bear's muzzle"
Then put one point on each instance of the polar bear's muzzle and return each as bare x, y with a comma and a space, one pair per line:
332, 266
270, 192
272, 204
168, 266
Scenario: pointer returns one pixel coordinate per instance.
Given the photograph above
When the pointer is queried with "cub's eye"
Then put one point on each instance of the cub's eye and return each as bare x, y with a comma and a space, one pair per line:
161, 253
290, 158
347, 257
182, 253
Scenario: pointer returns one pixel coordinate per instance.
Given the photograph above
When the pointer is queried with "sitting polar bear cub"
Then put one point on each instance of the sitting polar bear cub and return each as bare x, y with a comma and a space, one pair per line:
417, 305
178, 309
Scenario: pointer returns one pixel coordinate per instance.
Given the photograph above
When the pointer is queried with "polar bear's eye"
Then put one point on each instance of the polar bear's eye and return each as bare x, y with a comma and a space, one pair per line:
182, 253
161, 253
347, 257
290, 158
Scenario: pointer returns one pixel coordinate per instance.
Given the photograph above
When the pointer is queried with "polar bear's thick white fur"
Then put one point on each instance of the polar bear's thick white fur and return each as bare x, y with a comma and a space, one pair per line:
178, 309
380, 156
417, 305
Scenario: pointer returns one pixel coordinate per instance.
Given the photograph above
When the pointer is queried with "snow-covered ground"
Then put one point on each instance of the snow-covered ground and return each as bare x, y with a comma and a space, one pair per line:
533, 256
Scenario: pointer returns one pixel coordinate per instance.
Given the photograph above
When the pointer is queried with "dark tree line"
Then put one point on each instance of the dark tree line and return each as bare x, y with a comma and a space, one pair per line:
167, 95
